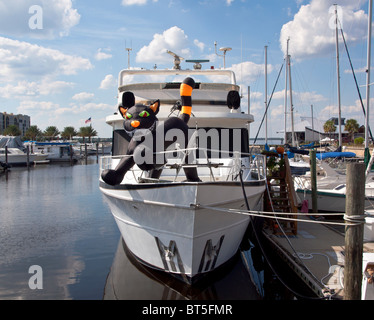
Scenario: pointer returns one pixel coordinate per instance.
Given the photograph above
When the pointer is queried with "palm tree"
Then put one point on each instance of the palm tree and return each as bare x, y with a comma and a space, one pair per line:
33, 133
51, 132
12, 130
351, 126
329, 127
68, 133
87, 132
91, 132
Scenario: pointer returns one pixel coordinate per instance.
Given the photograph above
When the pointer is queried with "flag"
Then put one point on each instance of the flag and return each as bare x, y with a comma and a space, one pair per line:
88, 120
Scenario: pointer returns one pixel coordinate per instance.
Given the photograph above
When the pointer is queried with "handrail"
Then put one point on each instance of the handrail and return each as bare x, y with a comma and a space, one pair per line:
256, 164
207, 72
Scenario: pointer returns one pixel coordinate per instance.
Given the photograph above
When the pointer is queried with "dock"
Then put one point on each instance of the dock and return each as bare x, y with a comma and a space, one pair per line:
313, 248
316, 255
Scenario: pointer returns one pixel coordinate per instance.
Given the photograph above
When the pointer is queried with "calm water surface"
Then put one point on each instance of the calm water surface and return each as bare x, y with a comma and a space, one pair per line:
55, 217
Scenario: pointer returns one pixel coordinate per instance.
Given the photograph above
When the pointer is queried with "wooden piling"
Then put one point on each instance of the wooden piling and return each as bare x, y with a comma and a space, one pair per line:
28, 157
71, 151
97, 152
6, 155
313, 174
85, 153
354, 208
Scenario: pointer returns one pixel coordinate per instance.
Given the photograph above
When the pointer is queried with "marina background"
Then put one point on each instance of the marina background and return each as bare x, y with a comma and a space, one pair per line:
66, 72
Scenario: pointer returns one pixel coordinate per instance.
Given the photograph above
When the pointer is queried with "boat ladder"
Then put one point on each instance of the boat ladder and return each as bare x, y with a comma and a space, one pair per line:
280, 195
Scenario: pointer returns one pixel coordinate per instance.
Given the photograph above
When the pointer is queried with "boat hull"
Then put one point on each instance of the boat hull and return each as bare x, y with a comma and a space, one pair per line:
187, 238
22, 159
329, 201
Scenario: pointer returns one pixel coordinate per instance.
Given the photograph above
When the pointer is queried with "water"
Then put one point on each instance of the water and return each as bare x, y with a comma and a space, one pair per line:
54, 217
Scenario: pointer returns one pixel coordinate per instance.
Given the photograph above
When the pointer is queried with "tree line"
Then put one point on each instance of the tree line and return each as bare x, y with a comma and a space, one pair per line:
51, 133
351, 126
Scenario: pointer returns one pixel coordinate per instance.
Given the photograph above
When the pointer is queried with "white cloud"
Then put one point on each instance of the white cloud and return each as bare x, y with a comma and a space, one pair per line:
39, 106
135, 2
348, 111
311, 31
199, 44
33, 89
311, 97
173, 39
108, 82
248, 72
83, 97
57, 18
20, 60
100, 55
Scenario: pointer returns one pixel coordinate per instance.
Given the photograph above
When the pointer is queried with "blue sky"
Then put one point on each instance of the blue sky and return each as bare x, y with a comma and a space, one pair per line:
66, 71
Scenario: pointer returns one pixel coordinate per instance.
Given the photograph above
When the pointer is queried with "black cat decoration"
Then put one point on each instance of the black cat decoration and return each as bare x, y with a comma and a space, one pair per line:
142, 124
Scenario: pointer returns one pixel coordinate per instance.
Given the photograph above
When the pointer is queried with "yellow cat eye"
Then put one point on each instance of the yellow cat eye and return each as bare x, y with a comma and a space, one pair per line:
144, 114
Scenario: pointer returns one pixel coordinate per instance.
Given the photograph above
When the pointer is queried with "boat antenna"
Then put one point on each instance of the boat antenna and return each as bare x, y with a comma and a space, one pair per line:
197, 63
177, 59
224, 50
128, 49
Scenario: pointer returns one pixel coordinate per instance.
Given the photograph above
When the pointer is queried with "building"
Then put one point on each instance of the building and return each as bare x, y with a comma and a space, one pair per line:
19, 120
310, 129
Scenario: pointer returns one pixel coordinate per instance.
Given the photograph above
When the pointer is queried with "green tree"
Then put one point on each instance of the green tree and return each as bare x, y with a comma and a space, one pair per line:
87, 132
33, 133
12, 130
329, 127
69, 133
51, 132
351, 126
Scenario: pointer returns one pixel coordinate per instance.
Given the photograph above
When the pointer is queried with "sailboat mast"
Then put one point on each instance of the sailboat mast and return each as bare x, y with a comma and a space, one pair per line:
285, 96
338, 76
266, 96
368, 76
291, 102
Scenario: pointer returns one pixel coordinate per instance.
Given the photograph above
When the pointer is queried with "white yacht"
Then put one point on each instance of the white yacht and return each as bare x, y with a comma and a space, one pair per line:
183, 227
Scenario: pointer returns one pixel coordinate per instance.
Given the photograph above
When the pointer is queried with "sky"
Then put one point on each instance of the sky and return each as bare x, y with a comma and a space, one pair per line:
60, 59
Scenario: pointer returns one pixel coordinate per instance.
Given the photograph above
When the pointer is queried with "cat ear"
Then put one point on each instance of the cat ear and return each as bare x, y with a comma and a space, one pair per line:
155, 106
122, 110
233, 99
128, 100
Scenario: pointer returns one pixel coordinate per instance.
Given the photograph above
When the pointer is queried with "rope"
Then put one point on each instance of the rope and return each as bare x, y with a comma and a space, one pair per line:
264, 253
271, 215
357, 219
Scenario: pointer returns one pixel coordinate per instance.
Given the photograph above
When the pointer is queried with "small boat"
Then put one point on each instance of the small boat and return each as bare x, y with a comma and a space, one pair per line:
93, 148
16, 156
331, 189
176, 217
56, 151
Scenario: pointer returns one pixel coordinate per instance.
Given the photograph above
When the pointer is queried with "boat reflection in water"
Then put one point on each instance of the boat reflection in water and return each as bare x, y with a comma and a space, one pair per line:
129, 279
244, 277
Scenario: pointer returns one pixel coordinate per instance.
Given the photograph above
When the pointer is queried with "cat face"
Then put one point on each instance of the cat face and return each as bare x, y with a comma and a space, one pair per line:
138, 116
